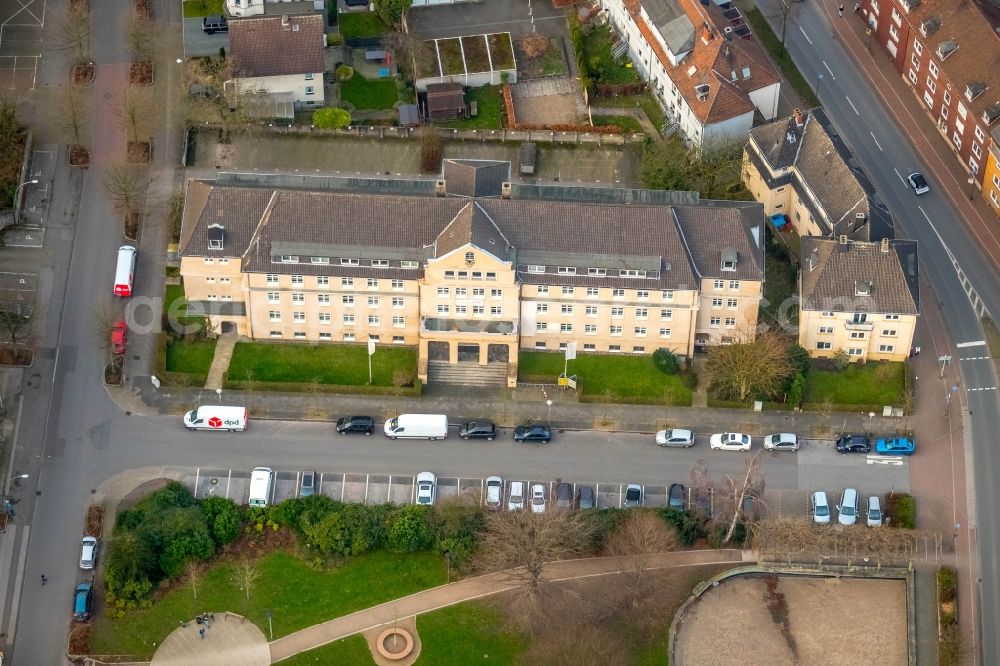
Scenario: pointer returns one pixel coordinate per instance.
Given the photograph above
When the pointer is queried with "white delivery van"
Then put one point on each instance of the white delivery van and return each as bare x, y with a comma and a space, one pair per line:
417, 426
216, 417
261, 486
125, 270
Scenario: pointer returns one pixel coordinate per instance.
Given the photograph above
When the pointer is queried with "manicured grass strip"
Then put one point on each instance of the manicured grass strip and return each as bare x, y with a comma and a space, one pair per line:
361, 25
608, 377
369, 93
771, 42
487, 100
190, 357
992, 337
341, 364
196, 8
875, 383
628, 124
350, 651
468, 633
298, 594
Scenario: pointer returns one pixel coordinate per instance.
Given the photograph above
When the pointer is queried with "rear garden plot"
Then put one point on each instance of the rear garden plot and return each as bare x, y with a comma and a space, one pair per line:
369, 94
196, 8
360, 25
473, 60
539, 57
488, 100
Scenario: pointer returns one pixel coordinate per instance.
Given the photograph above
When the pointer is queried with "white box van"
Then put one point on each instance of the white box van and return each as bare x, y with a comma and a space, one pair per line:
417, 426
125, 270
216, 417
261, 486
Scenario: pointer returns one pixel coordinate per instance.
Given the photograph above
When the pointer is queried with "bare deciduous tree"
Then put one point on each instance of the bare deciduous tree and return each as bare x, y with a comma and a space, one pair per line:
250, 385
640, 535
751, 367
247, 574
786, 10
751, 483
140, 37
72, 33
125, 187
591, 645
136, 112
15, 323
71, 114
193, 572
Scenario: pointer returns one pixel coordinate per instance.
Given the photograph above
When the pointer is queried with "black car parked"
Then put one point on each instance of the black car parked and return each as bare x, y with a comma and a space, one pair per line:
532, 433
214, 24
854, 444
478, 430
585, 497
365, 424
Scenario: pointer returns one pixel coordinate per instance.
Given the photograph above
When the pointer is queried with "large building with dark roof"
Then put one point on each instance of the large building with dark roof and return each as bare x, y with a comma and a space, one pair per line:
472, 276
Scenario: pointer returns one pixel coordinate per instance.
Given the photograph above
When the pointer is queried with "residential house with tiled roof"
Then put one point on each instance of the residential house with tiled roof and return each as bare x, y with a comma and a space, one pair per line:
711, 80
858, 298
247, 8
280, 57
470, 279
801, 168
948, 51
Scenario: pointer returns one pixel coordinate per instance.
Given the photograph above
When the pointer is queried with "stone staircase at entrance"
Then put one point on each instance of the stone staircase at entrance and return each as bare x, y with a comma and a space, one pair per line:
467, 374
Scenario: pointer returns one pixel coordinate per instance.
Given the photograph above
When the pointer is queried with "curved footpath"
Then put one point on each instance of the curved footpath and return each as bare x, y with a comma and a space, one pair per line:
481, 586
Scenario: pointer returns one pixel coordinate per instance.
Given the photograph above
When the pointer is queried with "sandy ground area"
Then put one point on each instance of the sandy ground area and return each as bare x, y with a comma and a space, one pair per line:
829, 622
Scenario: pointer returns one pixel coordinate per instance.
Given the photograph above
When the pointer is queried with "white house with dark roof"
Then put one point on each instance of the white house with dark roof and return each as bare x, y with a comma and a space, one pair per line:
471, 279
280, 57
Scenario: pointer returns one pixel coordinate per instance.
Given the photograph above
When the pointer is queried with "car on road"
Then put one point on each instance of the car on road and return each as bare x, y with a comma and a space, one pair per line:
895, 446
819, 508
848, 507
918, 183
677, 496
119, 337
532, 433
585, 497
854, 444
675, 437
494, 492
564, 496
515, 500
83, 601
730, 441
874, 512
478, 430
307, 486
782, 441
349, 424
214, 24
88, 552
538, 498
633, 495
426, 488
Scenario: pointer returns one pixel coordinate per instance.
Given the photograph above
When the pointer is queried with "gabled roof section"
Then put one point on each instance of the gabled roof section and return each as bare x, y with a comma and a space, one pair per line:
472, 226
855, 276
277, 45
714, 232
237, 210
672, 23
475, 178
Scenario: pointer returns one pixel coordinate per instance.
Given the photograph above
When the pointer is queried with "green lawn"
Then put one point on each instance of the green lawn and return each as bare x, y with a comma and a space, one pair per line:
369, 94
488, 103
350, 651
648, 104
196, 8
875, 383
772, 43
628, 124
628, 377
467, 633
360, 25
604, 68
298, 595
780, 284
191, 357
340, 364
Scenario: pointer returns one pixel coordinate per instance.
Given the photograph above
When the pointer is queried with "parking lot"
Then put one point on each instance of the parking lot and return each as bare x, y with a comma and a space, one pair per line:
21, 23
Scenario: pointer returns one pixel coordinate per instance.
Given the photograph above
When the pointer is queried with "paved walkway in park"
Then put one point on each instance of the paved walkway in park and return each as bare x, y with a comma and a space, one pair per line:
224, 347
228, 640
475, 588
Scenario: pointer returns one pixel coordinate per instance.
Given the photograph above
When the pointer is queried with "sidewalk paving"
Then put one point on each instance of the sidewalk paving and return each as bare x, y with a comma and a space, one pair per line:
475, 588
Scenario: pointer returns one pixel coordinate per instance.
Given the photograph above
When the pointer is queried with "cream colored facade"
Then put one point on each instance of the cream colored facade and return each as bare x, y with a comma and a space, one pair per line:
726, 308
782, 199
862, 336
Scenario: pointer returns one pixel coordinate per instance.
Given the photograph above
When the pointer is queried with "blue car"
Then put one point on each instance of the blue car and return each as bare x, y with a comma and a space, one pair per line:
895, 446
82, 602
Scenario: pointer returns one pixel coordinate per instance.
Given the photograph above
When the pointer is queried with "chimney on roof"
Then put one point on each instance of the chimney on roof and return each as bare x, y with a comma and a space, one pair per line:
440, 188
505, 190
284, 21
799, 118
885, 246
706, 35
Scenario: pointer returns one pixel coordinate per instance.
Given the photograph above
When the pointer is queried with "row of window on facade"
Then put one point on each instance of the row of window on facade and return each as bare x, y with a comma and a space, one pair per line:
591, 347
325, 261
638, 331
860, 317
327, 318
593, 272
856, 351
860, 335
346, 337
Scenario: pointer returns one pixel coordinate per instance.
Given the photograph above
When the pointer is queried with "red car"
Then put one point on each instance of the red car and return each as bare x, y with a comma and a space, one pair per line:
119, 336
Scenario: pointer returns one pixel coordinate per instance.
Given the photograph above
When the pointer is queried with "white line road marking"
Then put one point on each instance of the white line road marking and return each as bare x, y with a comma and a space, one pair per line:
855, 108
876, 143
904, 182
975, 358
984, 388
829, 70
977, 343
805, 35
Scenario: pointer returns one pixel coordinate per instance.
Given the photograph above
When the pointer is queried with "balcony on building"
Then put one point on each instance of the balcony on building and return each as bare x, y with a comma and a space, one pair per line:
467, 326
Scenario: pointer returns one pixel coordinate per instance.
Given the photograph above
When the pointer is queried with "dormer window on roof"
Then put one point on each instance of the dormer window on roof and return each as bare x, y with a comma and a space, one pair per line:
910, 5
946, 48
729, 256
930, 25
702, 91
746, 72
216, 236
862, 288
991, 113
974, 89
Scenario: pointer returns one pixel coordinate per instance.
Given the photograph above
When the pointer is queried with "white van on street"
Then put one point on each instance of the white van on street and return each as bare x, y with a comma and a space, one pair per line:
216, 417
261, 487
125, 271
417, 426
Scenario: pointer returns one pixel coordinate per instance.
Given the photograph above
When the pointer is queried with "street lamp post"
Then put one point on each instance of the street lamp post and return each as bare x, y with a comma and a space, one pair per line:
17, 200
819, 80
549, 404
871, 415
972, 186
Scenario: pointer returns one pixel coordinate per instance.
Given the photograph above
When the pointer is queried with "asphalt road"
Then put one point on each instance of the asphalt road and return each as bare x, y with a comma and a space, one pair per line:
944, 243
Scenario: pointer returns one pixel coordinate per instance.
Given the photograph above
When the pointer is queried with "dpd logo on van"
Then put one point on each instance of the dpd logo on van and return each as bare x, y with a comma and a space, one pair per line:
215, 422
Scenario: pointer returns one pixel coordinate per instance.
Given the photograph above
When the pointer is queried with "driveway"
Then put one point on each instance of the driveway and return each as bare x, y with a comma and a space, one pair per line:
488, 16
197, 43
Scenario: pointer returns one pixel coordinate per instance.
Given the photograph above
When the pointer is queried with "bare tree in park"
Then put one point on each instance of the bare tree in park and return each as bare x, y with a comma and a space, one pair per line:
193, 572
247, 574
640, 535
737, 488
752, 366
